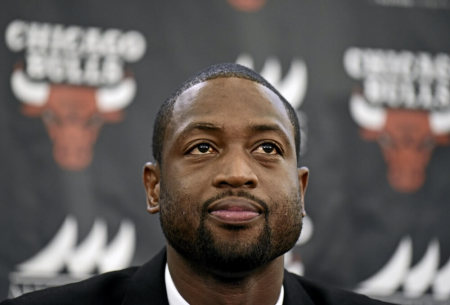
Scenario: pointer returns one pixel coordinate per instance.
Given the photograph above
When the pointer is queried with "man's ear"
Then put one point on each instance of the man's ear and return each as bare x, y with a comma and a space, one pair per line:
303, 176
152, 178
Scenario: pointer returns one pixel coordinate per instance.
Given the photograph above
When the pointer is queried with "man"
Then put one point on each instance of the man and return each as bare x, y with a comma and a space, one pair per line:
230, 195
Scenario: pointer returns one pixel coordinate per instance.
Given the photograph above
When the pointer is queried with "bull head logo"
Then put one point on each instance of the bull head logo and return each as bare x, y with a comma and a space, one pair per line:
73, 115
407, 138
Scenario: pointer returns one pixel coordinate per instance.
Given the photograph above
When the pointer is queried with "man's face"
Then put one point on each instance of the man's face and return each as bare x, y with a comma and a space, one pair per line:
231, 197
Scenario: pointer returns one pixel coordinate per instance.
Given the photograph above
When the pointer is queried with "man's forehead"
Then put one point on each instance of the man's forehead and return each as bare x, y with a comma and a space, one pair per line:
229, 104
225, 90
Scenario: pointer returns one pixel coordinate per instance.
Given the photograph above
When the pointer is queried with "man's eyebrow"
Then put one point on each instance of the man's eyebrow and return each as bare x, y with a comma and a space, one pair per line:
201, 126
211, 127
265, 127
204, 126
270, 127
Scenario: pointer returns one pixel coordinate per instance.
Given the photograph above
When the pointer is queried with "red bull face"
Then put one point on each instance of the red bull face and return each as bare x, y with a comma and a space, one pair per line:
73, 115
407, 139
407, 143
73, 122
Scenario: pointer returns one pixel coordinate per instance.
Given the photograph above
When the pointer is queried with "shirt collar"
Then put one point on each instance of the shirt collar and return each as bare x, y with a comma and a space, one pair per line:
175, 297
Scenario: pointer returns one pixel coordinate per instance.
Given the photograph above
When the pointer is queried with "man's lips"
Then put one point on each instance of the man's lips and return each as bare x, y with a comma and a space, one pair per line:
235, 210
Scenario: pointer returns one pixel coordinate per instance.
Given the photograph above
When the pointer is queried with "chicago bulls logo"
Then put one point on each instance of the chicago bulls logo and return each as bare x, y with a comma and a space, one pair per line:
74, 79
403, 103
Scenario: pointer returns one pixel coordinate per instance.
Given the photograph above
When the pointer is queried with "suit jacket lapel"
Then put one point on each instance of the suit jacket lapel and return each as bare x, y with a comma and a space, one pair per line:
147, 285
294, 293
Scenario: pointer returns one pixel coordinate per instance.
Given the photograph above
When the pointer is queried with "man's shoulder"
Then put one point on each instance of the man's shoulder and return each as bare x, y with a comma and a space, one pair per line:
108, 288
324, 295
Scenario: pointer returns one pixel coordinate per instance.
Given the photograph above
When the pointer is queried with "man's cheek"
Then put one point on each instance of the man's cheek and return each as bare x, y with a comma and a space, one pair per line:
180, 226
285, 213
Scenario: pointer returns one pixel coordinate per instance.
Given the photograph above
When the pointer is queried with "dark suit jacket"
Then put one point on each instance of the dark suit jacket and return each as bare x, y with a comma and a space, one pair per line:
145, 285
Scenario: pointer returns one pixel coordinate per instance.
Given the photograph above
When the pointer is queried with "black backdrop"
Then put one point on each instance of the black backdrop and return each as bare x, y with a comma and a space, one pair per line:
392, 54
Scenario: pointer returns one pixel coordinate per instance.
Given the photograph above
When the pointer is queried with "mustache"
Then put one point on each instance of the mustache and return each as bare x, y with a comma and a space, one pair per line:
229, 193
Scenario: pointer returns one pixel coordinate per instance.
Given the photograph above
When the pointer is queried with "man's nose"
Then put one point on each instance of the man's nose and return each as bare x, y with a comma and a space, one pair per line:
235, 171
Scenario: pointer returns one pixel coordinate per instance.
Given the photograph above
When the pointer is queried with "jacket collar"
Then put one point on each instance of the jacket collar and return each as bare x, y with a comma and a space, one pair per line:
147, 285
294, 293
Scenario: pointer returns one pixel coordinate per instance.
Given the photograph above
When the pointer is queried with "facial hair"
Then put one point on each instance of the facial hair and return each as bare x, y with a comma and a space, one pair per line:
185, 227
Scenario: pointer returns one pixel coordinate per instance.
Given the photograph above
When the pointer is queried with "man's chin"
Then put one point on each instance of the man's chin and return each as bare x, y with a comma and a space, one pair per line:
230, 255
233, 263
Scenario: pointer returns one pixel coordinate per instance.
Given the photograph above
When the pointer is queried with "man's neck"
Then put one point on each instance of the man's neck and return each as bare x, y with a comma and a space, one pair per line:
261, 286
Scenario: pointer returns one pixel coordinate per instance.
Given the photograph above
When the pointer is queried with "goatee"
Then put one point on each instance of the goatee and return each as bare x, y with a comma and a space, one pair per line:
188, 233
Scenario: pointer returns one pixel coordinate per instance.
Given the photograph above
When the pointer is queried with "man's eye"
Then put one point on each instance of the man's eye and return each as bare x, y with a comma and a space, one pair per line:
268, 148
202, 148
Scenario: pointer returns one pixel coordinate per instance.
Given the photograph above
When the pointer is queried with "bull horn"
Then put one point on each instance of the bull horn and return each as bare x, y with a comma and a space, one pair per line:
117, 97
28, 91
441, 288
365, 115
271, 71
389, 278
307, 231
245, 60
440, 122
120, 251
293, 86
83, 258
421, 276
52, 257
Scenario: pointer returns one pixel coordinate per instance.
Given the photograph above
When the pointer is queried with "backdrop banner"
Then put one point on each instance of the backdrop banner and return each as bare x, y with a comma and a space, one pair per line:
81, 82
